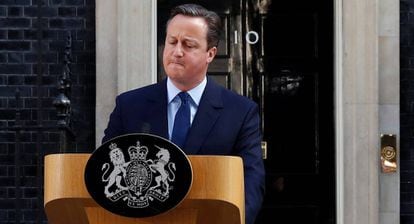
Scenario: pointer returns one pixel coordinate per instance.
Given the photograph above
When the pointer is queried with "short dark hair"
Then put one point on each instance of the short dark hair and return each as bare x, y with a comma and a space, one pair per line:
212, 19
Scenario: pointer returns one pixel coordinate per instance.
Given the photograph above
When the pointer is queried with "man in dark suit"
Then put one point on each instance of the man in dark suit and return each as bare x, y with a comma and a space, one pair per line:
190, 109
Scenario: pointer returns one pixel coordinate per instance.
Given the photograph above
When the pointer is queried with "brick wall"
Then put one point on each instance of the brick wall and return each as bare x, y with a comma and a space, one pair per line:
407, 110
19, 69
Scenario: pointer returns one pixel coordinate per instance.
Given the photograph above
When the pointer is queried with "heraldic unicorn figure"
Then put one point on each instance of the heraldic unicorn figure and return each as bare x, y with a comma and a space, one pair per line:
158, 166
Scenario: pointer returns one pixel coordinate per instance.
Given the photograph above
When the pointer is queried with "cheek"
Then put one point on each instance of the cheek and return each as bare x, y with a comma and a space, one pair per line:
165, 57
201, 59
165, 52
168, 50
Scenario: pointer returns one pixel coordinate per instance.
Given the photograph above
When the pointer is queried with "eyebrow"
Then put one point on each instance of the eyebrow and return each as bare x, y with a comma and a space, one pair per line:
186, 39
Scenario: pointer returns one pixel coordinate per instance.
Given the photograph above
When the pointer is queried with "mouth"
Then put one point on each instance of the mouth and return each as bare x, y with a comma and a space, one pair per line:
177, 63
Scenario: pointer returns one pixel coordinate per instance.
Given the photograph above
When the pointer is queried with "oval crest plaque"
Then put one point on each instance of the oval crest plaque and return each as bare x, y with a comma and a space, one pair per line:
138, 175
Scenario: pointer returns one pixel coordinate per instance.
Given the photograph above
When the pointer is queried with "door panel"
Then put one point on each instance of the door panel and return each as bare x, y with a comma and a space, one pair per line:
290, 110
296, 100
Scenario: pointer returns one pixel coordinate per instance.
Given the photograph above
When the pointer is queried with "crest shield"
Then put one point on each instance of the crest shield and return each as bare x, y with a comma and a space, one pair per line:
138, 175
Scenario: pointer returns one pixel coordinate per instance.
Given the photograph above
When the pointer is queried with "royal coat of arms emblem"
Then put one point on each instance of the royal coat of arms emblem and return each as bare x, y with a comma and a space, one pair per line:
144, 179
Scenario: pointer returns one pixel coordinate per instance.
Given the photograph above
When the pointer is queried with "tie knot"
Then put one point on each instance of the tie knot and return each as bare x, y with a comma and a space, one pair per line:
184, 97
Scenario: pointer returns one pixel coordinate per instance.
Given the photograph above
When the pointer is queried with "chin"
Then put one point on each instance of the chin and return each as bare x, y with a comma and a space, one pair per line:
177, 72
177, 76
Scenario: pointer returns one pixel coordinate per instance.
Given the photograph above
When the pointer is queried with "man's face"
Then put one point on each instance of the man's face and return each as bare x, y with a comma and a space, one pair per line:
186, 56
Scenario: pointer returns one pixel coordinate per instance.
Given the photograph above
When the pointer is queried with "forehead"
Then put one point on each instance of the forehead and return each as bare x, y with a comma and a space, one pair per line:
181, 25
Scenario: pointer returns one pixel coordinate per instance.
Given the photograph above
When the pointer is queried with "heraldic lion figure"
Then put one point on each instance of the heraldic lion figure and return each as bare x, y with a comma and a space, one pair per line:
118, 160
159, 166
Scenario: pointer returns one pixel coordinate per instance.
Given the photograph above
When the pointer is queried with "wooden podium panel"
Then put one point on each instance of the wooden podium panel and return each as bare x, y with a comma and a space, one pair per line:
216, 195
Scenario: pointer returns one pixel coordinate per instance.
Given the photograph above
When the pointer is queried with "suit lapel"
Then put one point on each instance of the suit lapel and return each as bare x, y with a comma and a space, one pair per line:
208, 111
157, 110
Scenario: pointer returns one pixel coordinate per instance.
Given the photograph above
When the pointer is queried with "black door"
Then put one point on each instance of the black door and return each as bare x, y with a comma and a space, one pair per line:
280, 54
295, 92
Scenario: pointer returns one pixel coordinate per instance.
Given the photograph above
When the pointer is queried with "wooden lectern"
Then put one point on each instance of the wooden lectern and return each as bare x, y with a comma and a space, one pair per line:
216, 195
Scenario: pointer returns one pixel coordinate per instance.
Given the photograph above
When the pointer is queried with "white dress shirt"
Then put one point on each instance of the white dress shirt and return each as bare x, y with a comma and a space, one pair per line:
174, 101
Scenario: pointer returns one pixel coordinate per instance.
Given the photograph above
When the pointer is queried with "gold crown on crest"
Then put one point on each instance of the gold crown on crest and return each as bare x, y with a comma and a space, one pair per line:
138, 152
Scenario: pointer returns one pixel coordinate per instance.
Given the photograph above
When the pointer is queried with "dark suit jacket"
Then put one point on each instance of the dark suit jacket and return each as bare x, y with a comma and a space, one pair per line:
225, 124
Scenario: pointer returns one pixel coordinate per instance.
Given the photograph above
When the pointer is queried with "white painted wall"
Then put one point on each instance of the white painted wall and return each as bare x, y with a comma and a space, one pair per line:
125, 52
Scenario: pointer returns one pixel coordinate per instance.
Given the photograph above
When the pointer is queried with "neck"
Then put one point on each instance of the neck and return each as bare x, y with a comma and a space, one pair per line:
186, 86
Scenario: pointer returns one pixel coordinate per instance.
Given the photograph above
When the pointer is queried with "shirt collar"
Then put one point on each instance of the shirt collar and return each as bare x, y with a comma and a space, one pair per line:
195, 92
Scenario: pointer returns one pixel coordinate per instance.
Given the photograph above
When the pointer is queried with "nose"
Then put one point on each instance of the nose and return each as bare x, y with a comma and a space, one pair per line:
178, 51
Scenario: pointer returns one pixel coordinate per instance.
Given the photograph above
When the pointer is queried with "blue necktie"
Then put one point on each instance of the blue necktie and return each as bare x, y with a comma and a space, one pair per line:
182, 121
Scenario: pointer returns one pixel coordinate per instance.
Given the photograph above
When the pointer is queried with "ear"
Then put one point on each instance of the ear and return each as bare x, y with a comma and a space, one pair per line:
211, 53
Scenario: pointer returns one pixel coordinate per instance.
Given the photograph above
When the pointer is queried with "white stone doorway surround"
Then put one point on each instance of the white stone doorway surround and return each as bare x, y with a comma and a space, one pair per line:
366, 91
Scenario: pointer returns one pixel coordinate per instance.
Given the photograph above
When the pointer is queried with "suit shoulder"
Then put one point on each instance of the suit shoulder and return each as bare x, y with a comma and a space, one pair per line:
232, 98
139, 92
